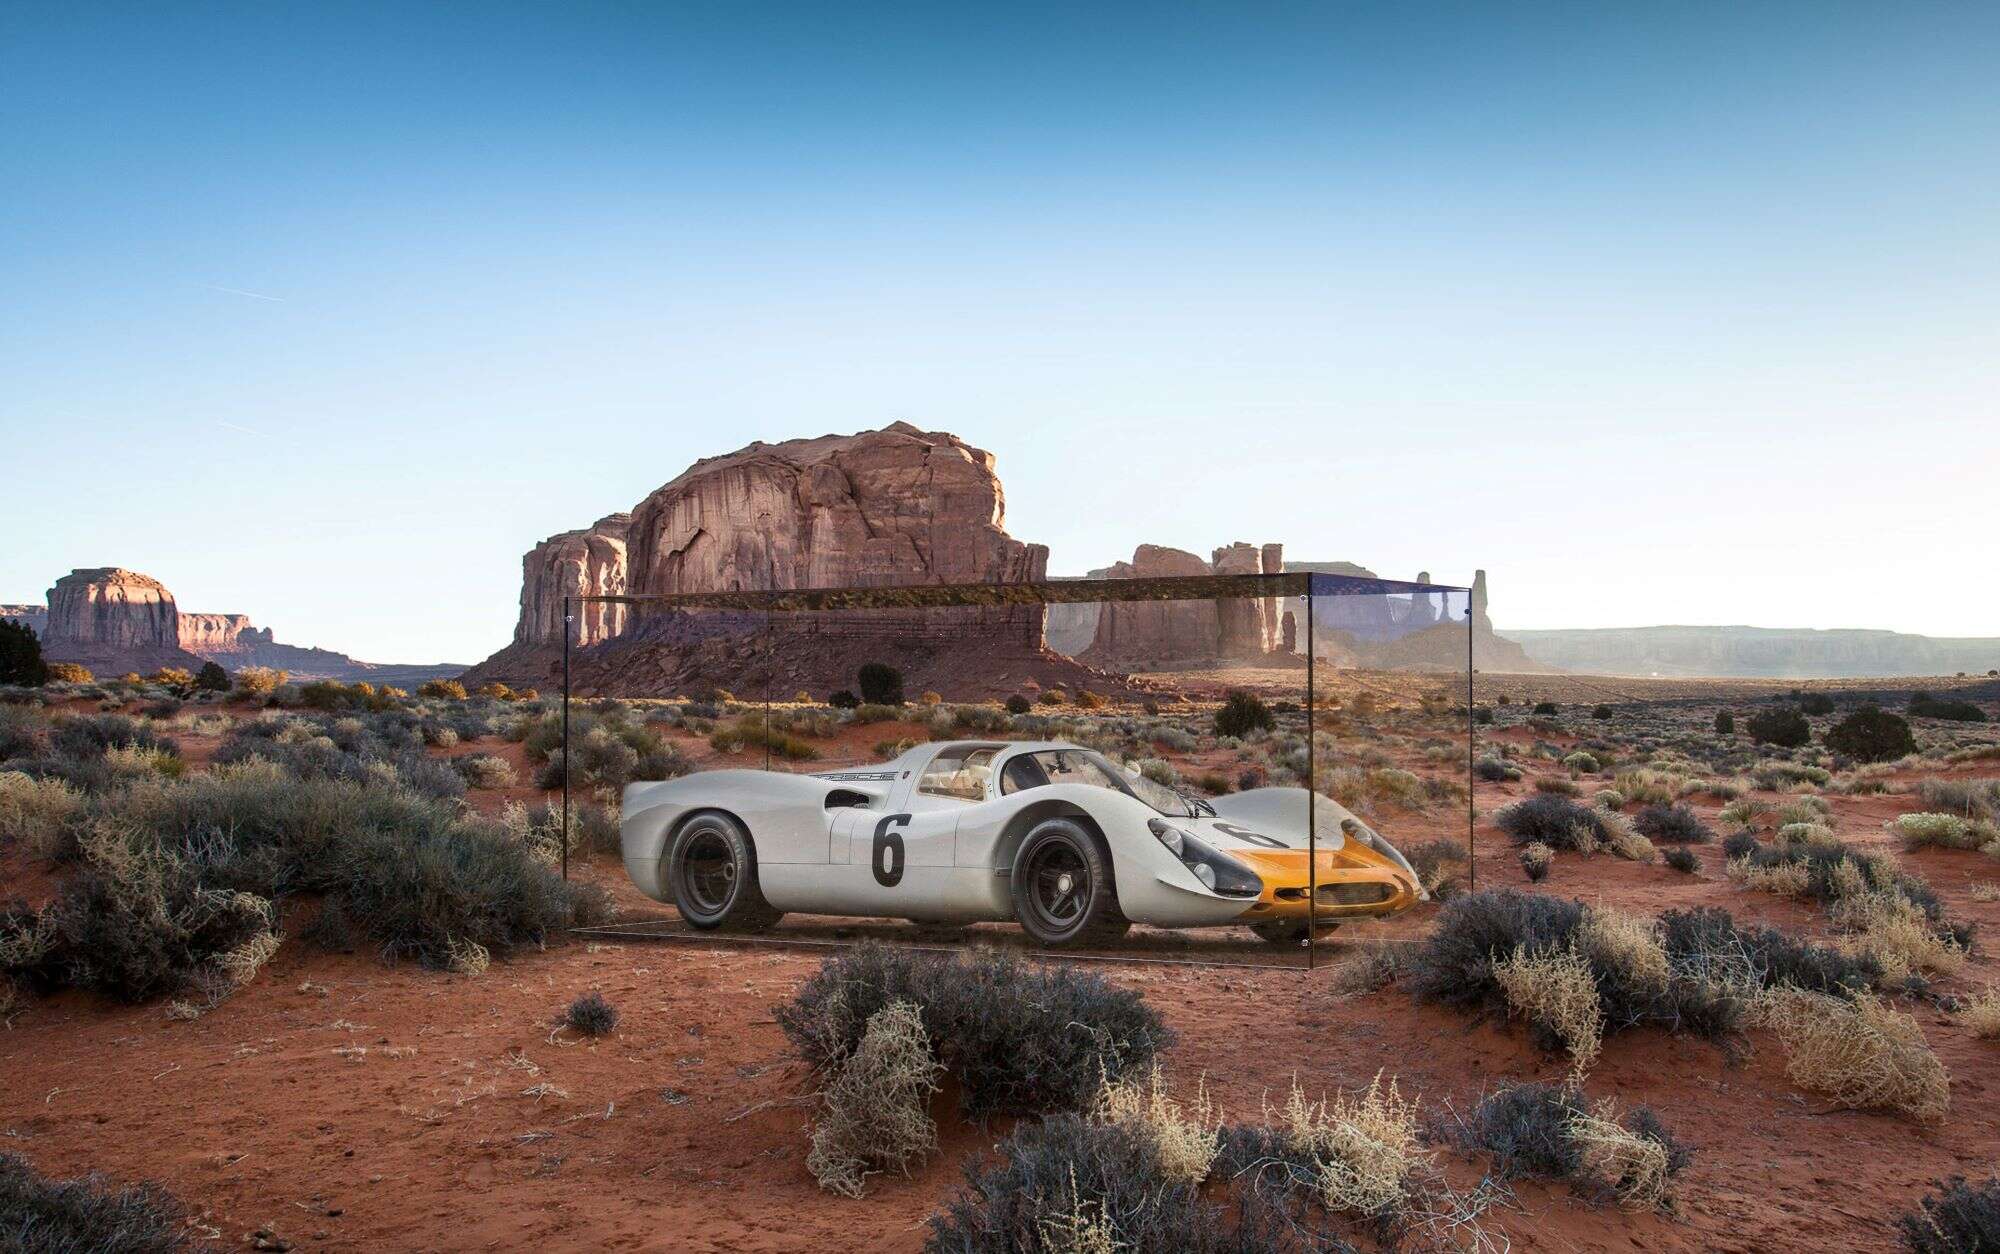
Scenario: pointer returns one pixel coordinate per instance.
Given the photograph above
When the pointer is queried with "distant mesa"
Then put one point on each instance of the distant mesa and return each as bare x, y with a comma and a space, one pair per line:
114, 620
1759, 652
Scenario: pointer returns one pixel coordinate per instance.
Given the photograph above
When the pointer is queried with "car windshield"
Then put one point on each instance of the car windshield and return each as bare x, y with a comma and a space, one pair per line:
1083, 766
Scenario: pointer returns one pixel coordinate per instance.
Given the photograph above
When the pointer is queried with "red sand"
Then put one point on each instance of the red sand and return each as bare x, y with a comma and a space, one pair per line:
352, 1106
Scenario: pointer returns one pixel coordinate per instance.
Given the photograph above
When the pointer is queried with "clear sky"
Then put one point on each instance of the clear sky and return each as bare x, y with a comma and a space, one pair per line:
1661, 312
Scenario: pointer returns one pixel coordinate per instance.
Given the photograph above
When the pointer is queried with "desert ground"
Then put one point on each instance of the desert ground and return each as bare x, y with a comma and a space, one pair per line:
335, 1099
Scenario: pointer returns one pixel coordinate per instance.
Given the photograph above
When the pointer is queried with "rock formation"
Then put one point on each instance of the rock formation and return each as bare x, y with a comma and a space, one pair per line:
590, 562
1152, 635
879, 508
114, 620
34, 617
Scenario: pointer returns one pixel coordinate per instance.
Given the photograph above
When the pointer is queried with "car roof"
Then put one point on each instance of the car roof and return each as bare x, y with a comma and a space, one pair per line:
925, 752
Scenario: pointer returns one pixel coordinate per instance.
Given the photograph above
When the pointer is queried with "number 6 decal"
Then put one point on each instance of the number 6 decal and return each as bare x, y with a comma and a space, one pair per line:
886, 858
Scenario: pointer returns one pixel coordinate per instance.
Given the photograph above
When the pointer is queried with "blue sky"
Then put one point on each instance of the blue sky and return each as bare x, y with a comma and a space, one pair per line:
1659, 312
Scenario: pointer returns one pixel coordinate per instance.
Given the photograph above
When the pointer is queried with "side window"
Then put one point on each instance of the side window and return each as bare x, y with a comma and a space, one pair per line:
1022, 772
961, 775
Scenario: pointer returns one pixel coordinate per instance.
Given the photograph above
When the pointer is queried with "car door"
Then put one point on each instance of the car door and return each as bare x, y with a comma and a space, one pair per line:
902, 858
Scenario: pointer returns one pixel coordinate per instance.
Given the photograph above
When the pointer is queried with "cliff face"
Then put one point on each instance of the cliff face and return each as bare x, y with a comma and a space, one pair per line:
219, 633
878, 508
590, 562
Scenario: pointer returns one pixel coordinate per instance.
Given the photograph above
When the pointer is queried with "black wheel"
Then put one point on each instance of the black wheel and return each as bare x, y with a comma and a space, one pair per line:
1287, 933
1062, 887
712, 870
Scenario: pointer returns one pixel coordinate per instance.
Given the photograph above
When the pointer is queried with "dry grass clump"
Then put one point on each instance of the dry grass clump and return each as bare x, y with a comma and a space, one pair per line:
1548, 1132
1784, 879
1862, 1053
875, 1113
1187, 1138
1945, 831
1981, 1014
1890, 928
34, 811
1366, 1148
1536, 860
1555, 992
1634, 1166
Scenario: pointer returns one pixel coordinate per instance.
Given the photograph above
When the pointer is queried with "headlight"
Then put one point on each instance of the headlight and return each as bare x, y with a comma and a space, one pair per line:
1217, 871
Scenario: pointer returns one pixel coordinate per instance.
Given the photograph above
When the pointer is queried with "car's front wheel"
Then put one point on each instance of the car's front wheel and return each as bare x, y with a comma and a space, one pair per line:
1062, 886
712, 870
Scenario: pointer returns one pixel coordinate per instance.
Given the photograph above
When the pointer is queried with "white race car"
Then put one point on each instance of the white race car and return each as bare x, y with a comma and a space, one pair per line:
1050, 835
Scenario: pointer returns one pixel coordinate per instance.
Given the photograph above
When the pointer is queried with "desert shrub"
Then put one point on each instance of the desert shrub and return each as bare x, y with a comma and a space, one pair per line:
1962, 1219
1725, 723
1080, 1186
1673, 824
1981, 1013
1052, 696
1496, 770
1813, 702
1019, 1038
753, 734
875, 1112
259, 681
442, 690
1682, 859
1536, 859
1860, 1052
414, 874
1547, 709
211, 678
1019, 704
1602, 711
133, 926
69, 673
1242, 713
484, 770
1555, 821
1944, 831
1784, 726
880, 683
1971, 798
1582, 762
93, 735
34, 812
1924, 705
1454, 965
43, 1216
869, 712
21, 655
1482, 716
1556, 784
1088, 700
1871, 734
591, 1014
1542, 1131
1709, 941
843, 699
1639, 979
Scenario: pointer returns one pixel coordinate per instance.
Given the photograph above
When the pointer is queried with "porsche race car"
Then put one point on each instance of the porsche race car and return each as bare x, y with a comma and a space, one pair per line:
1053, 836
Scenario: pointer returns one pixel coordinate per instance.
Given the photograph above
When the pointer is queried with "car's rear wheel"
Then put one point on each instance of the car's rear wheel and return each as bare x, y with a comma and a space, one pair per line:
712, 870
1062, 886
1288, 933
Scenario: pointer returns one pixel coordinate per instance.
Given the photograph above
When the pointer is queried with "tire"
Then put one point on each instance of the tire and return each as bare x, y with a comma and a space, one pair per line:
1287, 933
1062, 886
712, 872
